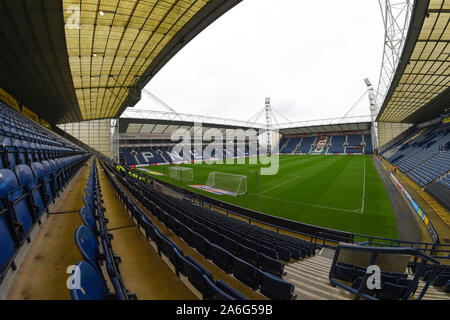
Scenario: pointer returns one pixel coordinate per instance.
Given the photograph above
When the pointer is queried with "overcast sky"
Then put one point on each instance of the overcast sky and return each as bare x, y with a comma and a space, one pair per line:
310, 57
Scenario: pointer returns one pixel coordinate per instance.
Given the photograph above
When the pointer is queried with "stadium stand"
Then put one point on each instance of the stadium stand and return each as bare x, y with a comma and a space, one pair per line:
424, 157
249, 252
36, 166
336, 144
88, 238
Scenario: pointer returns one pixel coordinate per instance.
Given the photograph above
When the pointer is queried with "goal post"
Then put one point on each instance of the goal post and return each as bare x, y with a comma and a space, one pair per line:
235, 183
181, 174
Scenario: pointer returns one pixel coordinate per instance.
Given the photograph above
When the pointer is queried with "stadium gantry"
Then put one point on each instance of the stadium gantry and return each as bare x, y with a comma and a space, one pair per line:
92, 191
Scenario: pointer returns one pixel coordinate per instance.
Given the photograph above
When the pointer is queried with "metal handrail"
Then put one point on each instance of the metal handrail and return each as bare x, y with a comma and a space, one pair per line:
375, 252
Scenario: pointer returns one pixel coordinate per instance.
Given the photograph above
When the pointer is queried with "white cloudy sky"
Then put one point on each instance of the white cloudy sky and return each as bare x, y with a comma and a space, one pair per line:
310, 57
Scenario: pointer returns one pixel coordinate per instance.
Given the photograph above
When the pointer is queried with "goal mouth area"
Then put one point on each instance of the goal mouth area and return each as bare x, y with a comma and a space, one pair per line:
232, 184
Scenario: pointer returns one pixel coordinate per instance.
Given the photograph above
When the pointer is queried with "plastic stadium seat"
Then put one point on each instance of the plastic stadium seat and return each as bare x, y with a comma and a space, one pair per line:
87, 244
39, 186
231, 246
202, 245
170, 249
88, 218
30, 185
276, 288
390, 291
343, 273
17, 199
92, 284
356, 283
222, 258
213, 292
268, 252
195, 276
48, 180
249, 255
271, 266
6, 236
246, 273
225, 287
186, 234
200, 267
283, 253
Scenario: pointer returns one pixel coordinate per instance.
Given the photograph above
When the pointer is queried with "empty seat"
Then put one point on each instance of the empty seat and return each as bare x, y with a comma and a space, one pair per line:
91, 283
31, 186
249, 255
246, 273
343, 273
390, 291
222, 258
283, 253
276, 288
89, 219
18, 200
271, 266
87, 244
202, 245
225, 287
213, 292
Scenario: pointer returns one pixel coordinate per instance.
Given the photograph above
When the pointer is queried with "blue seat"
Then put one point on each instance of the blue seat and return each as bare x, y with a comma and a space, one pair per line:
343, 273
222, 258
40, 185
7, 234
88, 246
92, 285
283, 253
246, 273
225, 287
276, 288
48, 180
202, 245
195, 275
18, 200
89, 219
271, 266
170, 249
390, 291
249, 255
30, 185
213, 292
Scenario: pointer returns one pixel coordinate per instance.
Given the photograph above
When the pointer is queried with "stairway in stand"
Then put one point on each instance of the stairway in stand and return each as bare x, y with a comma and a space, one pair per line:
310, 278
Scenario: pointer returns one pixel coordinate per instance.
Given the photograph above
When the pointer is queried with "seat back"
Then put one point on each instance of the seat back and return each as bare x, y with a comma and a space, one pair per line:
276, 288
88, 218
213, 292
17, 198
87, 244
92, 285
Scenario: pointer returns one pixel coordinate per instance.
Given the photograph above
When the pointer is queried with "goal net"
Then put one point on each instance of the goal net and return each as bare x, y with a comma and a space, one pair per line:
181, 174
234, 183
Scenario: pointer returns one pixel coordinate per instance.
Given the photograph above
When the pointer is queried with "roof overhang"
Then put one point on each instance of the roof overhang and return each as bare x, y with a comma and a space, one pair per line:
68, 63
360, 123
420, 88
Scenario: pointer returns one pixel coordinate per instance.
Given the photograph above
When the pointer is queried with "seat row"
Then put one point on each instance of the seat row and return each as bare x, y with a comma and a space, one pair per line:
185, 267
393, 285
265, 273
26, 192
94, 243
267, 242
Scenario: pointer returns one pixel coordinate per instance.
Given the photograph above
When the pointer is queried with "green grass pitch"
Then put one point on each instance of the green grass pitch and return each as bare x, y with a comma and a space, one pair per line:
337, 192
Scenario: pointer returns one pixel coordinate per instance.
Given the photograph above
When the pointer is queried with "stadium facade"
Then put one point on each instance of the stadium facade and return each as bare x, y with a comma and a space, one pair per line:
70, 69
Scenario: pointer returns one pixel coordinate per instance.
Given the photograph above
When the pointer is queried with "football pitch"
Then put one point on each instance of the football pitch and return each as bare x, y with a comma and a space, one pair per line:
337, 192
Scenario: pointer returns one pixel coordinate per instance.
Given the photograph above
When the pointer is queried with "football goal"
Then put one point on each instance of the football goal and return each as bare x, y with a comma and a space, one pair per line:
181, 174
235, 183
